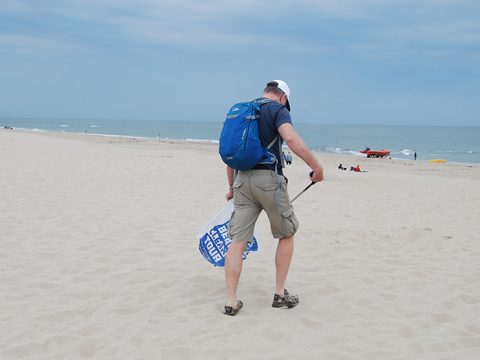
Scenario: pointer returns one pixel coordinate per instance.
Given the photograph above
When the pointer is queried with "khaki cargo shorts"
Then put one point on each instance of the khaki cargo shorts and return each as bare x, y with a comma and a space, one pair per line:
257, 190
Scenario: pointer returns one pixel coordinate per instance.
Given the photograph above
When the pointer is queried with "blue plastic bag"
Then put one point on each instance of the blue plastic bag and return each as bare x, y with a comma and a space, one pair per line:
214, 240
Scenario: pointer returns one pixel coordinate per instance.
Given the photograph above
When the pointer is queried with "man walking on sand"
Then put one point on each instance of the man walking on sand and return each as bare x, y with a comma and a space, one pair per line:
265, 188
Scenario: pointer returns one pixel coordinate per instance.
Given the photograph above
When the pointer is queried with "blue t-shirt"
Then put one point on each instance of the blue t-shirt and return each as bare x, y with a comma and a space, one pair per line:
272, 116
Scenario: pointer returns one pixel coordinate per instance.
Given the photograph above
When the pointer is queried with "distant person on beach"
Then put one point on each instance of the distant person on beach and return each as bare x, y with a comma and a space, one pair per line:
415, 155
265, 188
357, 169
341, 167
288, 158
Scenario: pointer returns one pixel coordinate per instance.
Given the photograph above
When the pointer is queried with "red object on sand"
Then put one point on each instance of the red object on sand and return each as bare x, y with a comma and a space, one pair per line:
376, 153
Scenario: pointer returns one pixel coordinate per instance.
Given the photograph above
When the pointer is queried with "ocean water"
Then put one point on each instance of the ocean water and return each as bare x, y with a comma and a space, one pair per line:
455, 144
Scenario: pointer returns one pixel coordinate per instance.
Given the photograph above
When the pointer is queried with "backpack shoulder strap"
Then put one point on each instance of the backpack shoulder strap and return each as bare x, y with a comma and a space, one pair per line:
263, 100
273, 141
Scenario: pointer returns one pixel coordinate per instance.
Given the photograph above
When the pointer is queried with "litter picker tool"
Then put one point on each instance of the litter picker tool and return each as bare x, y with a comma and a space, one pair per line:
301, 192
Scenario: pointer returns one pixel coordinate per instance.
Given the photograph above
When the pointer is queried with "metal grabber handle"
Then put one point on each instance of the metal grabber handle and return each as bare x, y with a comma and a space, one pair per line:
301, 192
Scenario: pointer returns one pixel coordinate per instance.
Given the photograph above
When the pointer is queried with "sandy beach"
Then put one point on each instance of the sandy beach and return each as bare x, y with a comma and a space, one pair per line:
99, 258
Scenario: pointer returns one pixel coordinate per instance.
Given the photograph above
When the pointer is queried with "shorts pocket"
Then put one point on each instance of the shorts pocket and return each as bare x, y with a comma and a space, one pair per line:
290, 222
267, 187
239, 197
237, 184
230, 227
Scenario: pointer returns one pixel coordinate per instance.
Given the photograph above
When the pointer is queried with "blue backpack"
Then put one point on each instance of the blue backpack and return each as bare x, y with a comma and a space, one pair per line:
240, 145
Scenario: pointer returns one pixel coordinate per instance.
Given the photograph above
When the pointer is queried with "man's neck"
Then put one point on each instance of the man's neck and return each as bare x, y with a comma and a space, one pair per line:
272, 97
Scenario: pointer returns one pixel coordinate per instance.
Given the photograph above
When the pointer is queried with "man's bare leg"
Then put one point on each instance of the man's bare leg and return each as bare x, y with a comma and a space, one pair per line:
233, 268
283, 257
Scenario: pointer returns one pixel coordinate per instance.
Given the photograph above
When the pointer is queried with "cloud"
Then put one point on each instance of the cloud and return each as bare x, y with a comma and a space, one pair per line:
305, 25
22, 41
455, 33
13, 7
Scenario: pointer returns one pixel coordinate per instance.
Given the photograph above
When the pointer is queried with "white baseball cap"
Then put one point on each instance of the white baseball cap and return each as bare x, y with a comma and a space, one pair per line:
282, 85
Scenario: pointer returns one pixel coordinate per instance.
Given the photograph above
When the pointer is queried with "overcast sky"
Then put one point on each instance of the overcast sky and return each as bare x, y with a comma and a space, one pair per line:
411, 62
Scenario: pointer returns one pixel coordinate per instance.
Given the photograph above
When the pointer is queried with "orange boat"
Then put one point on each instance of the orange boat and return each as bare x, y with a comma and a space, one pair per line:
375, 153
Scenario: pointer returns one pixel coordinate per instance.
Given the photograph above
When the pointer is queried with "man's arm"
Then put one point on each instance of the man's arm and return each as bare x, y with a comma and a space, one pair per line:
229, 195
298, 146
